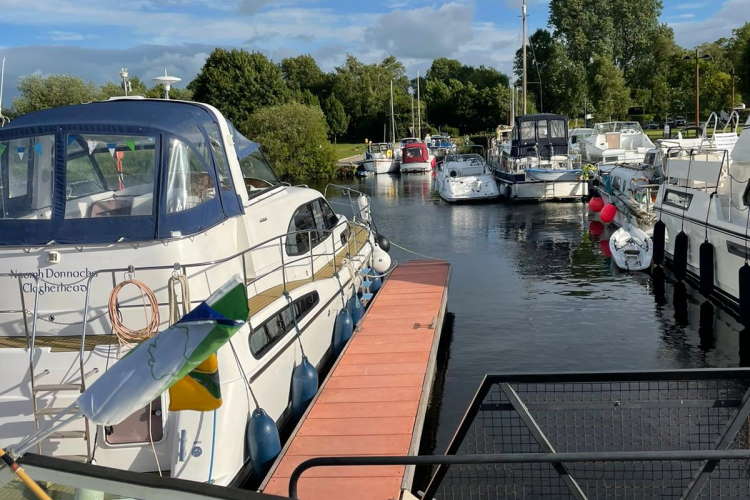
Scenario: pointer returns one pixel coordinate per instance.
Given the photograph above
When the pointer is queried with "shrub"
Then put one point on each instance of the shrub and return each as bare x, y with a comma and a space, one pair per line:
295, 138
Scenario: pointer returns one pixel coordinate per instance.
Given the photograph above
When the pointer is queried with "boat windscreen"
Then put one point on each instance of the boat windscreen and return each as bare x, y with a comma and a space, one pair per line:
256, 169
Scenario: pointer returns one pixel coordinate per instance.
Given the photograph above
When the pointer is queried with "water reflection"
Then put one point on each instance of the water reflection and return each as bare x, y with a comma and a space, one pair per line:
533, 289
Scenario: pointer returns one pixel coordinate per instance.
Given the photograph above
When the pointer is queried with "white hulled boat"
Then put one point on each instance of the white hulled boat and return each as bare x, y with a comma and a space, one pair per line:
706, 200
415, 158
534, 163
465, 177
615, 142
169, 194
379, 158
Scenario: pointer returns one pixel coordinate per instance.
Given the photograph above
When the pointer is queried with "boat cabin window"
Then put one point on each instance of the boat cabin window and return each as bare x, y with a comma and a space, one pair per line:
541, 127
527, 131
257, 172
220, 157
26, 177
311, 216
677, 199
274, 328
188, 181
557, 129
109, 175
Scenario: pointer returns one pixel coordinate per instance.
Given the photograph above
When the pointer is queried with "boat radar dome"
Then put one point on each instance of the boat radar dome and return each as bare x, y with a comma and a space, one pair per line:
167, 82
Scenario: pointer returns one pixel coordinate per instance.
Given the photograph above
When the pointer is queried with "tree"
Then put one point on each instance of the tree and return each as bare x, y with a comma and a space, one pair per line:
338, 120
610, 94
623, 29
294, 137
563, 86
39, 92
238, 83
302, 72
364, 91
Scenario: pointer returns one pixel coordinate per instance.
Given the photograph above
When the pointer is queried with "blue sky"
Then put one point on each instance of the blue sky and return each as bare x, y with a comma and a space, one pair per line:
94, 38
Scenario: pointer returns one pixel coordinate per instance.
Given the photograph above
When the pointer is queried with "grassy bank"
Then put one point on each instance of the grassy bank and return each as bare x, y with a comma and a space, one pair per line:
345, 150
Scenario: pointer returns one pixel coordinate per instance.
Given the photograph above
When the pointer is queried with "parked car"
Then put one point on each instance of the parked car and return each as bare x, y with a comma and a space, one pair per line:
652, 126
680, 121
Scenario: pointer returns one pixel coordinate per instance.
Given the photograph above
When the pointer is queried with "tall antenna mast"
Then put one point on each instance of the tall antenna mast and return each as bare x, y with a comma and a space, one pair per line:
523, 18
393, 119
3, 119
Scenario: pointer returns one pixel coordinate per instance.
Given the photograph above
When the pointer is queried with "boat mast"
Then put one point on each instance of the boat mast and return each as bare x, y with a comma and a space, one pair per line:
523, 18
419, 111
393, 119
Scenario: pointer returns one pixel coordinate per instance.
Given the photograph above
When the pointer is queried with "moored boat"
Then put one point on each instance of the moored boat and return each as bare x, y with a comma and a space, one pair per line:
119, 217
415, 158
465, 177
533, 164
379, 158
615, 142
631, 248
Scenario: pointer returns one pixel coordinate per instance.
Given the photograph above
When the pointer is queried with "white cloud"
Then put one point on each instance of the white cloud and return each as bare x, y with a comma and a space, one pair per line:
425, 32
732, 14
690, 6
66, 36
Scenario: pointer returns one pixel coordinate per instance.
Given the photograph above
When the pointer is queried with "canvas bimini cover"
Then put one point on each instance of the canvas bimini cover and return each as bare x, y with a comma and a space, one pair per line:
416, 152
119, 170
542, 135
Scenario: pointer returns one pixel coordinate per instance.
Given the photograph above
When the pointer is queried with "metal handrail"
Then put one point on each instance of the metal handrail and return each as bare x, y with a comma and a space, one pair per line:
515, 458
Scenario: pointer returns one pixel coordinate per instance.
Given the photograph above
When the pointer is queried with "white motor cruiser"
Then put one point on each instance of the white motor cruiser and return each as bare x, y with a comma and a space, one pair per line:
379, 158
703, 209
120, 216
615, 142
534, 163
465, 177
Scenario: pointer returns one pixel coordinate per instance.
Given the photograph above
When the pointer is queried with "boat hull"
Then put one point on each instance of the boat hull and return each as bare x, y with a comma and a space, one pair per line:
411, 167
381, 165
550, 174
470, 188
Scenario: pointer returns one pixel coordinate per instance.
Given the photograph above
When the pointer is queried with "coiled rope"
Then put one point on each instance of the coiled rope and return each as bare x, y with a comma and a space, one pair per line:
124, 334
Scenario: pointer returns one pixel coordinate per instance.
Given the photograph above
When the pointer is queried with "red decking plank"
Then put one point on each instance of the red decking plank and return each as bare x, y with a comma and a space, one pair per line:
323, 446
375, 381
374, 395
381, 369
356, 426
366, 409
369, 404
361, 488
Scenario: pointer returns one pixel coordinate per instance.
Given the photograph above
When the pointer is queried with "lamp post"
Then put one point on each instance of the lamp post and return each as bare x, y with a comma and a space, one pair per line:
731, 107
697, 57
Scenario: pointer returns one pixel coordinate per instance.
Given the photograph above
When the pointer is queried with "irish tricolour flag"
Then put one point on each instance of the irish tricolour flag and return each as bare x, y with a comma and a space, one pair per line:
184, 355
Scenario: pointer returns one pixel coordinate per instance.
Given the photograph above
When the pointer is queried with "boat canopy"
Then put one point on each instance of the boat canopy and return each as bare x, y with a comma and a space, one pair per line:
415, 152
542, 135
118, 170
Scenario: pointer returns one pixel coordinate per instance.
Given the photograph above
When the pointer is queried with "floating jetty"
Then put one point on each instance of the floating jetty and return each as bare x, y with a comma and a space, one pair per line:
375, 398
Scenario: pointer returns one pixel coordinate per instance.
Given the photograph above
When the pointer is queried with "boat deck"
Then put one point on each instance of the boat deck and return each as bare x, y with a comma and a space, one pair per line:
374, 400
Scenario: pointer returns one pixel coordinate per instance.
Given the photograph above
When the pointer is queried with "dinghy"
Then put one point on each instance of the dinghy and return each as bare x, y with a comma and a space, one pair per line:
631, 248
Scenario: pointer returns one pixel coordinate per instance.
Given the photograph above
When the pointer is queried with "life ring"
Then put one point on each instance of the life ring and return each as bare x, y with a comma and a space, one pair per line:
389, 154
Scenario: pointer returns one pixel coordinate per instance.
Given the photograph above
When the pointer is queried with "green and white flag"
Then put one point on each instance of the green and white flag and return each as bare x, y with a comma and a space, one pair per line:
157, 363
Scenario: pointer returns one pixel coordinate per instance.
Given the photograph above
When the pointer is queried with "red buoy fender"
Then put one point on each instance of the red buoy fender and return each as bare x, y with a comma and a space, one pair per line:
608, 213
596, 204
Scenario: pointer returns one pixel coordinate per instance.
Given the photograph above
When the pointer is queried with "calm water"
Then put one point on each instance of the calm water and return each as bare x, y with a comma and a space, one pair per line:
531, 290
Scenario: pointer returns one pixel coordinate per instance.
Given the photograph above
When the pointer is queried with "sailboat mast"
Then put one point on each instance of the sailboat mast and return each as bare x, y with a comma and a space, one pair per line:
393, 119
419, 111
523, 17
